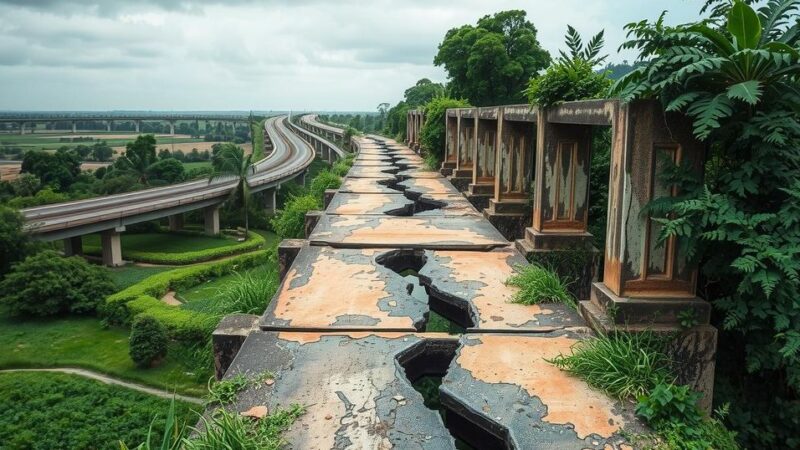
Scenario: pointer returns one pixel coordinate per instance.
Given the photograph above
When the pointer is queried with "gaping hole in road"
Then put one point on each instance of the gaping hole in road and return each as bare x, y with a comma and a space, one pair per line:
425, 365
443, 317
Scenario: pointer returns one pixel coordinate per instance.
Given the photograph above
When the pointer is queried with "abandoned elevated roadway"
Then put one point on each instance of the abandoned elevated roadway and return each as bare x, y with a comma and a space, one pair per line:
394, 327
289, 158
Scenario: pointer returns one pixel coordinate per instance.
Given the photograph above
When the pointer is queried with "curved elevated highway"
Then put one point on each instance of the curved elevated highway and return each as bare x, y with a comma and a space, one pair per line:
310, 123
110, 214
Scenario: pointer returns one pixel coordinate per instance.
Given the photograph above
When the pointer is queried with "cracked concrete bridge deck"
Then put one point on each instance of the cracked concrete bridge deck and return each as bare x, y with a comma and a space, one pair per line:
351, 333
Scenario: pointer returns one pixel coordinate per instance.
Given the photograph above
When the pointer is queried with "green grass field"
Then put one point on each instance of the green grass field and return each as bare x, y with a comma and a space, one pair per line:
60, 411
52, 141
84, 342
164, 242
129, 275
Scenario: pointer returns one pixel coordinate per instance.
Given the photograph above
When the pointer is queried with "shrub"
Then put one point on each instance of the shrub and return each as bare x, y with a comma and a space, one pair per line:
230, 430
341, 167
148, 341
14, 243
433, 132
324, 180
290, 222
248, 294
538, 284
254, 241
623, 365
567, 82
47, 284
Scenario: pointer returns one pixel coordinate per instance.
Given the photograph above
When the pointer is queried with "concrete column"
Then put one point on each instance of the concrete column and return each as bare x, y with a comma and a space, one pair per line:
270, 200
176, 222
211, 220
172, 128
303, 179
647, 282
108, 126
137, 124
22, 128
74, 127
111, 243
73, 246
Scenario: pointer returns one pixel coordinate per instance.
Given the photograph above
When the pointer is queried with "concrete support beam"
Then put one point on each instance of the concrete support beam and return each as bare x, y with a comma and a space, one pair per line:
73, 246
108, 125
137, 125
288, 250
22, 128
302, 178
172, 128
211, 220
176, 222
111, 243
228, 338
271, 200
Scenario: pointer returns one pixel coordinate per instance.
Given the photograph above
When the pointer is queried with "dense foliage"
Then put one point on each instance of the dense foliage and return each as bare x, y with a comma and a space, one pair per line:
418, 95
323, 181
14, 243
49, 411
736, 77
433, 134
57, 169
290, 222
46, 284
230, 160
572, 76
490, 63
148, 341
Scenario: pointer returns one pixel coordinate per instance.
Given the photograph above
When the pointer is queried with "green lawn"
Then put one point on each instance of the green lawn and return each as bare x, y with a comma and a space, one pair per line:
196, 165
164, 242
83, 342
129, 275
271, 238
52, 141
61, 411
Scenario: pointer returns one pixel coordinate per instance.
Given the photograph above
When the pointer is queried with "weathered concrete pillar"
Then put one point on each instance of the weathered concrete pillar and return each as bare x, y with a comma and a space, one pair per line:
74, 127
647, 284
22, 128
176, 222
172, 128
558, 236
328, 196
302, 178
211, 220
228, 337
451, 143
481, 189
137, 124
108, 126
73, 246
270, 200
311, 220
462, 174
287, 252
111, 243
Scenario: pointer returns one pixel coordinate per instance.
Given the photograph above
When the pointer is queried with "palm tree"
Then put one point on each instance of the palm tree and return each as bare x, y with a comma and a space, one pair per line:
138, 156
230, 160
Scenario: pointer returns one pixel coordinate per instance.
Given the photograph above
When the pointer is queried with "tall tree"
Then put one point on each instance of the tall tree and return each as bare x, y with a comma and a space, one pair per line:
57, 169
491, 63
422, 92
138, 156
231, 160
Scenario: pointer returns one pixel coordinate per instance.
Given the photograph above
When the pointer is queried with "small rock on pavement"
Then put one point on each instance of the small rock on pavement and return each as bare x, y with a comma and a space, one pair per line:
256, 412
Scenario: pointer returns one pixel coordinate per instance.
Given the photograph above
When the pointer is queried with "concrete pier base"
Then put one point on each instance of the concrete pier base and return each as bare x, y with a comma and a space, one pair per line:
312, 218
287, 252
111, 243
271, 200
73, 246
211, 220
228, 338
176, 222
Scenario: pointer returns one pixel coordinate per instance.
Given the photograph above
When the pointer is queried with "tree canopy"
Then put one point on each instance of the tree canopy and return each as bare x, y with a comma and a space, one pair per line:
492, 62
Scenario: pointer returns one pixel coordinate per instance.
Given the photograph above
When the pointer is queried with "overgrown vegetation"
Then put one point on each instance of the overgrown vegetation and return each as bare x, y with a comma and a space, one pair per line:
538, 284
148, 341
736, 77
623, 365
232, 431
51, 411
46, 284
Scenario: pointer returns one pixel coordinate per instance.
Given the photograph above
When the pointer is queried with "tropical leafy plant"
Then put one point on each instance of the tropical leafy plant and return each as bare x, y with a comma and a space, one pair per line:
231, 161
432, 135
735, 75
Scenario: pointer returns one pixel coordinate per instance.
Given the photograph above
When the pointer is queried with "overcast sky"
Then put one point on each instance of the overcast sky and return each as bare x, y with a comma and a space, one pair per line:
258, 55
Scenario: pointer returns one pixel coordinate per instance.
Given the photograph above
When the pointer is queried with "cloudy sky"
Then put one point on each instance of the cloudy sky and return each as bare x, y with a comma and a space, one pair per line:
258, 55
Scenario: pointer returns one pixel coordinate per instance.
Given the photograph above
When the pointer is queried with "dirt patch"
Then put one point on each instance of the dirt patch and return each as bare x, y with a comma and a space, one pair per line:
170, 299
186, 147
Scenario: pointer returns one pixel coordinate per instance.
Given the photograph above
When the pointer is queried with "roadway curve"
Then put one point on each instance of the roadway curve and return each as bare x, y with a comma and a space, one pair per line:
290, 158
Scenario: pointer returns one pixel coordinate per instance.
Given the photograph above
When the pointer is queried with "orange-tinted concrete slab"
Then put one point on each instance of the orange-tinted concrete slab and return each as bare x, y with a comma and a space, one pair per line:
369, 204
368, 186
441, 233
428, 186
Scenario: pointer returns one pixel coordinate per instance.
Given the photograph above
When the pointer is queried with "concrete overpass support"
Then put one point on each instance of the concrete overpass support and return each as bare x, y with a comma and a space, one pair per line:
111, 242
271, 200
172, 128
73, 246
302, 178
22, 128
74, 127
138, 125
211, 220
176, 222
108, 126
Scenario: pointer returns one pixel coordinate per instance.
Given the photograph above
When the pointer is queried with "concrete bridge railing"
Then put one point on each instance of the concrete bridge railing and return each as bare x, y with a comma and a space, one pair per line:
529, 170
314, 134
22, 120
